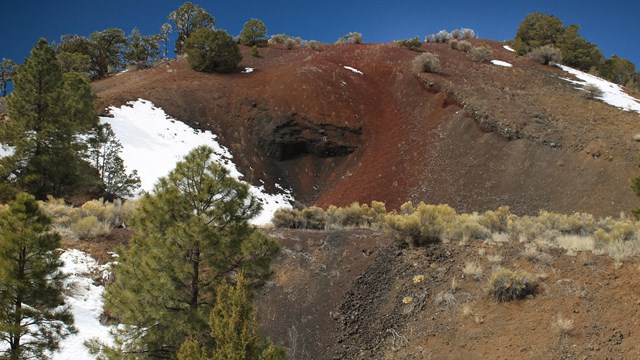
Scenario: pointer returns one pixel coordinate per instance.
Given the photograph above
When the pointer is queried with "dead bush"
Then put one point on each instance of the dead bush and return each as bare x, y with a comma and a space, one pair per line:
507, 285
426, 62
481, 54
546, 55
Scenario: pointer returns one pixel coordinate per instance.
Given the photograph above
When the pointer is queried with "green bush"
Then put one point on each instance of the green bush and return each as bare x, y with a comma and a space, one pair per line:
427, 224
481, 54
426, 62
211, 50
507, 285
254, 51
546, 55
413, 44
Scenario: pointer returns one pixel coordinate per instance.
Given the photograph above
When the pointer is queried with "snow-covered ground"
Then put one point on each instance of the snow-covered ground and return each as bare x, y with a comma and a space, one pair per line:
612, 93
85, 300
153, 143
501, 63
353, 69
509, 48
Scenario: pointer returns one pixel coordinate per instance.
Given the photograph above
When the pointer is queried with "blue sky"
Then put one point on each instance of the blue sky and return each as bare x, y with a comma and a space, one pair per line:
612, 25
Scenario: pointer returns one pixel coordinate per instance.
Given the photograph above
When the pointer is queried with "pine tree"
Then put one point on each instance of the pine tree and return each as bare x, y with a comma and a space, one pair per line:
188, 18
234, 329
190, 235
7, 71
212, 51
254, 32
32, 321
104, 155
47, 113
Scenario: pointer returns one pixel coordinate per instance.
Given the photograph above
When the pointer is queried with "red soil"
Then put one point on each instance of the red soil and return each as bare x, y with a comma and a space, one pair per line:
475, 136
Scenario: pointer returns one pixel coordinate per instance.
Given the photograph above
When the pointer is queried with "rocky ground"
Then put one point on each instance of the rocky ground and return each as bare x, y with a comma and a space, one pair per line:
355, 294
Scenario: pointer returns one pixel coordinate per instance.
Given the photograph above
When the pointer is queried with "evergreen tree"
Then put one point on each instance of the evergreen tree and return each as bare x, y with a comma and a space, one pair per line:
7, 71
253, 33
104, 154
188, 18
74, 62
74, 51
537, 30
140, 49
109, 48
190, 235
32, 320
212, 51
234, 329
46, 113
578, 52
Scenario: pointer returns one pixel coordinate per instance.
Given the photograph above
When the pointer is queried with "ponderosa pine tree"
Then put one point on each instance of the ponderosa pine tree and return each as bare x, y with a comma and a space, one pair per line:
190, 235
212, 51
7, 71
253, 33
234, 329
104, 154
188, 18
33, 319
47, 113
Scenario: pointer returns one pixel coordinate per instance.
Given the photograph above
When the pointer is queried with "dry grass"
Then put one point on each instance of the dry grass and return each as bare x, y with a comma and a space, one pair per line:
563, 325
473, 270
575, 243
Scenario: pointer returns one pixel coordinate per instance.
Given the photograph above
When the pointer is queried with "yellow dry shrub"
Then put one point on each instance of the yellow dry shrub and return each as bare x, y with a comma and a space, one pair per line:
496, 221
89, 227
507, 285
467, 227
426, 224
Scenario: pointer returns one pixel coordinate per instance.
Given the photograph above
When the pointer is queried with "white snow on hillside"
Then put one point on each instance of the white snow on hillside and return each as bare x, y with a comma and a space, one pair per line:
354, 70
613, 94
85, 301
153, 143
5, 150
507, 47
501, 63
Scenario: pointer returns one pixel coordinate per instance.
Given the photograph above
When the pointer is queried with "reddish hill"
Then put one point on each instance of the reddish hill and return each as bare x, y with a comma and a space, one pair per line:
475, 136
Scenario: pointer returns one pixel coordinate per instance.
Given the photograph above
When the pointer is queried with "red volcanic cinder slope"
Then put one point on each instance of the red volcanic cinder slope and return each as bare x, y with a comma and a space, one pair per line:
350, 123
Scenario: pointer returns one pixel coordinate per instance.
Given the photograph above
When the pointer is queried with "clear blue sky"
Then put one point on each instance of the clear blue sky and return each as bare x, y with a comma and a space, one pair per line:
613, 25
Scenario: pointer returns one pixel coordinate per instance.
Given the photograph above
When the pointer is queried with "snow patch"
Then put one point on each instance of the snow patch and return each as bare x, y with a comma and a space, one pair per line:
507, 47
153, 142
354, 70
248, 70
85, 301
612, 94
5, 150
501, 63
